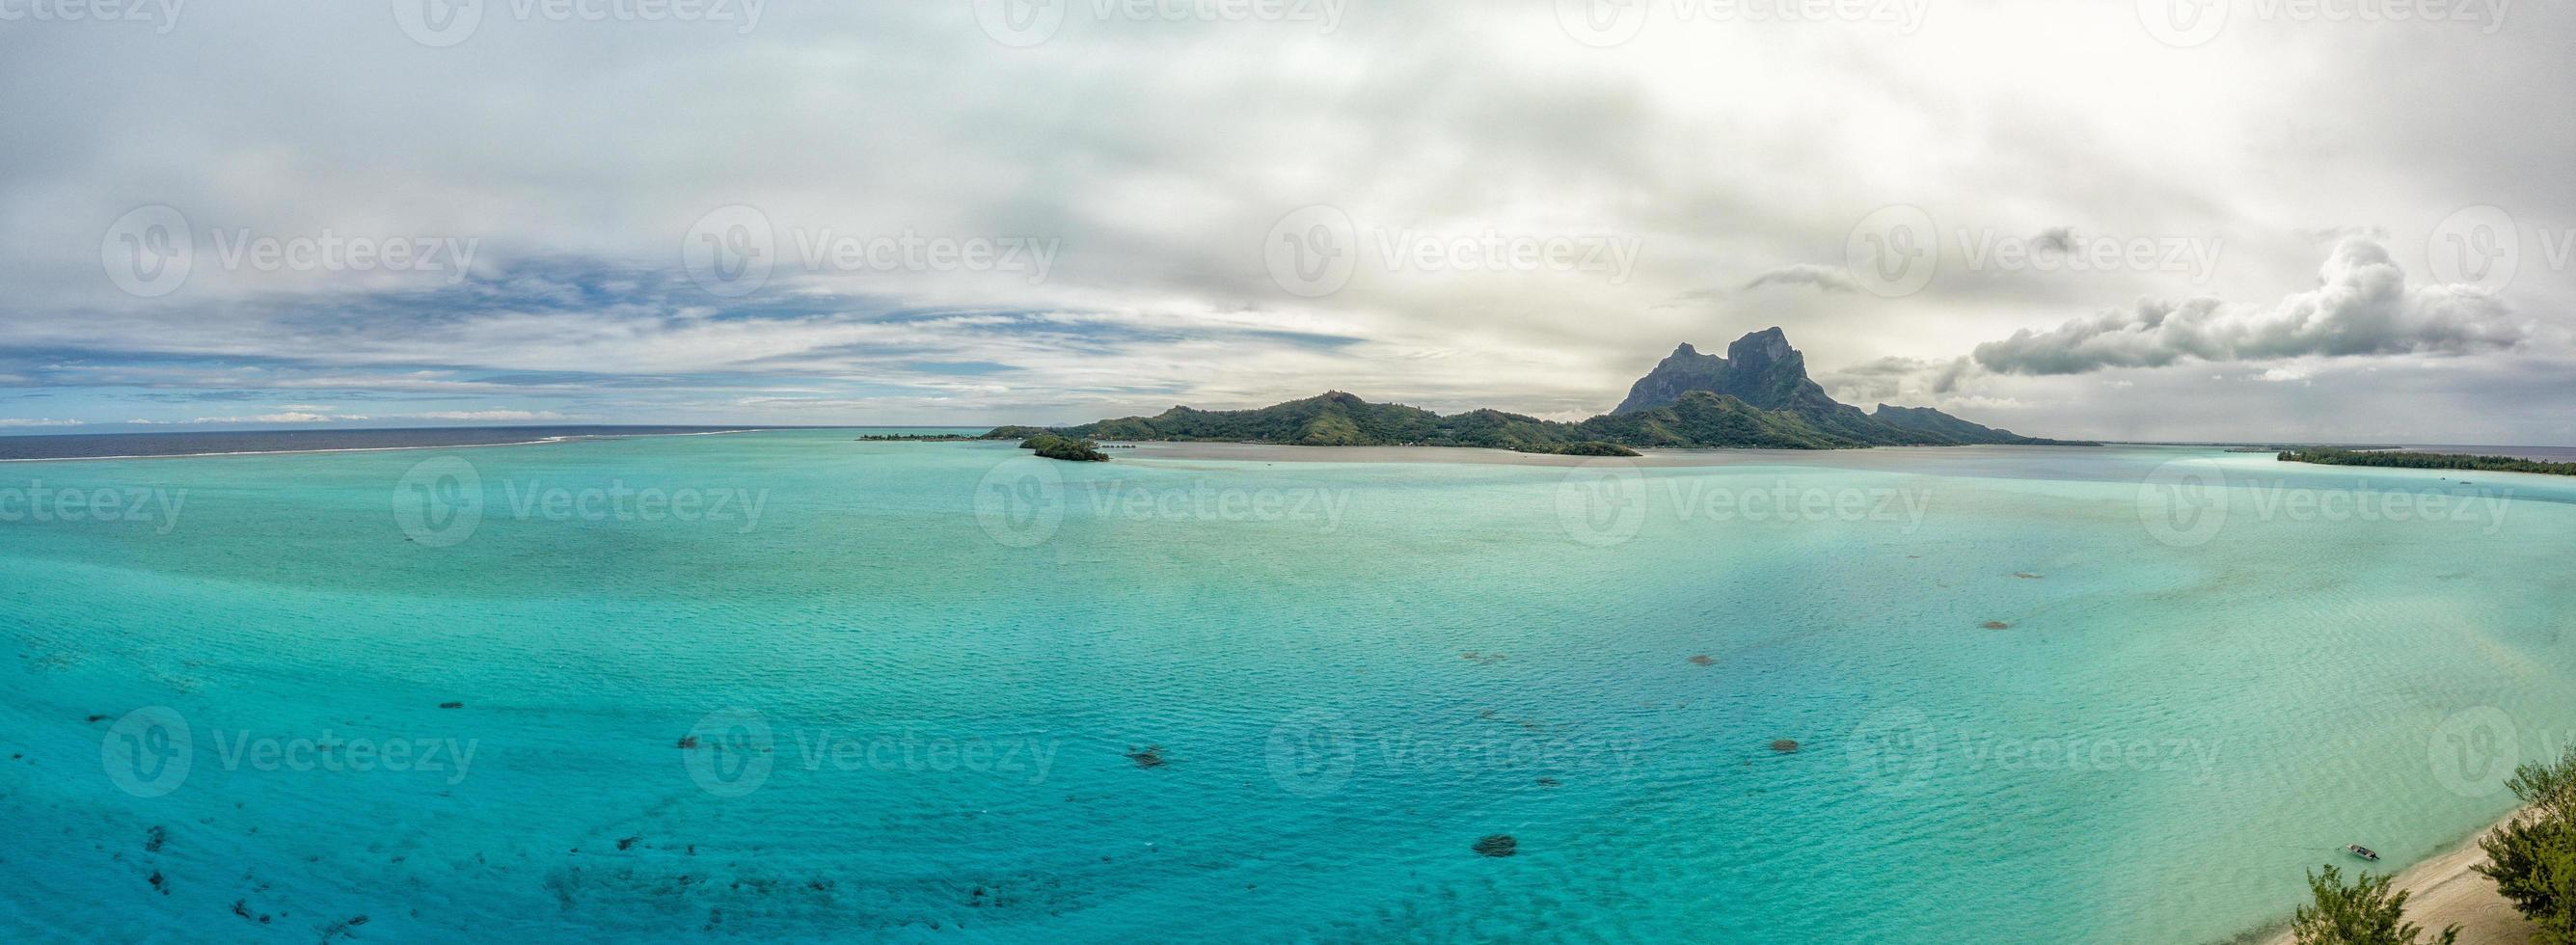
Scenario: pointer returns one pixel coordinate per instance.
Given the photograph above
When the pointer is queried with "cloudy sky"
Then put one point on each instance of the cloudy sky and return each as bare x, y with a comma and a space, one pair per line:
2175, 220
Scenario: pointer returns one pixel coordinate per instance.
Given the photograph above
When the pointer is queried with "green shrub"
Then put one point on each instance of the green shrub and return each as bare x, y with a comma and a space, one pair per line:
2533, 857
2363, 913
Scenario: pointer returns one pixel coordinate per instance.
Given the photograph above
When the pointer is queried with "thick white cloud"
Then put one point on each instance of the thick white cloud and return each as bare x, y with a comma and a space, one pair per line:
2363, 305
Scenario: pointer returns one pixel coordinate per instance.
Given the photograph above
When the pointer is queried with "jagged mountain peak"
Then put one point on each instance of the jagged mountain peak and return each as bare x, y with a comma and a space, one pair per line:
1760, 368
1764, 370
1765, 346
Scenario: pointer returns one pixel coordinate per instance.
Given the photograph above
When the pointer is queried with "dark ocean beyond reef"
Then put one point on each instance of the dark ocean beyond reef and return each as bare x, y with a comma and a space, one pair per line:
100, 445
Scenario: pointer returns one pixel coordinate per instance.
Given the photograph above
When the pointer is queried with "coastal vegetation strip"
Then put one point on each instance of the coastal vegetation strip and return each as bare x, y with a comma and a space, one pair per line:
2404, 460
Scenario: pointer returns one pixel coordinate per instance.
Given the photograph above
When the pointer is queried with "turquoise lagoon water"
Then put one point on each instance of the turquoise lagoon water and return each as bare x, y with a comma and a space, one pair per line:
921, 678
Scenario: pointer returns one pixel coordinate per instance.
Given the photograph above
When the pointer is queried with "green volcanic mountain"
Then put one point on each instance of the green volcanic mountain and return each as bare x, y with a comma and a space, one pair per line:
1759, 369
1758, 396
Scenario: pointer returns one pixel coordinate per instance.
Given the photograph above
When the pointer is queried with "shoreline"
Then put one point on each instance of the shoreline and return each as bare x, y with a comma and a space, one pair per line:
374, 449
2444, 889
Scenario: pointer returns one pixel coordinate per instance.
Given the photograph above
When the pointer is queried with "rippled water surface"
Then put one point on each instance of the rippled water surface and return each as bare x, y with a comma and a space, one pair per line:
787, 686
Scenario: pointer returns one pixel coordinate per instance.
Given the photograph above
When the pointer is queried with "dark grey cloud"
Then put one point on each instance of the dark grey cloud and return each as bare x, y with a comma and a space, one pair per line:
2337, 234
1827, 278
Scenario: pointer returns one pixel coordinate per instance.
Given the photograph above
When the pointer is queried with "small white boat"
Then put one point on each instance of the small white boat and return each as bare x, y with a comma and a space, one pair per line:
2362, 852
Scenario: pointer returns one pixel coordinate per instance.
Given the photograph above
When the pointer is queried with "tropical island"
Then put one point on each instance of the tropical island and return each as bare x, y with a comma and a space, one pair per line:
1051, 446
2394, 459
1756, 396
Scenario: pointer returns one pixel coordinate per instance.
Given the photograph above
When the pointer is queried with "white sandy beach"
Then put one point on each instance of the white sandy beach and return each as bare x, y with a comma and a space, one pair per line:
2445, 890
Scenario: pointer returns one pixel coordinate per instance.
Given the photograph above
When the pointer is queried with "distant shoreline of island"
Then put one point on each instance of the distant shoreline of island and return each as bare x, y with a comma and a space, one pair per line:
1756, 396
2408, 459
